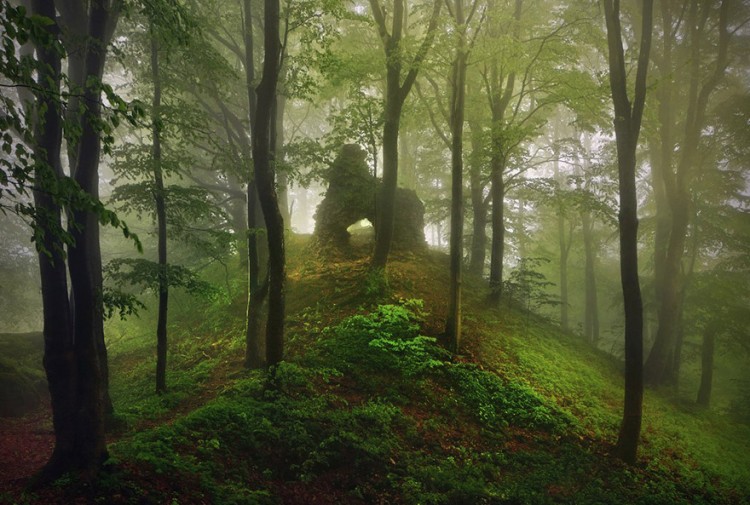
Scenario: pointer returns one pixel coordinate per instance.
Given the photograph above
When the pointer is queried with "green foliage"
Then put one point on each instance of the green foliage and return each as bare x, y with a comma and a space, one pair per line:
385, 341
527, 286
498, 403
376, 285
146, 274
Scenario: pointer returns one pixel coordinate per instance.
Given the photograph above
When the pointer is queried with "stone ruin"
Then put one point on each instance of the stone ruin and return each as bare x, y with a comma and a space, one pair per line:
351, 197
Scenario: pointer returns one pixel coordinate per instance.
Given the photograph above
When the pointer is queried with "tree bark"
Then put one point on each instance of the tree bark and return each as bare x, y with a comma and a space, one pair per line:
84, 259
395, 96
627, 125
161, 221
659, 367
458, 95
591, 311
262, 159
75, 16
707, 364
564, 248
500, 94
256, 295
478, 205
497, 247
59, 355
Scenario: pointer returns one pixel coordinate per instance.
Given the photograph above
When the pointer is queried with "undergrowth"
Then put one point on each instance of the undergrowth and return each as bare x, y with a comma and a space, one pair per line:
376, 412
369, 408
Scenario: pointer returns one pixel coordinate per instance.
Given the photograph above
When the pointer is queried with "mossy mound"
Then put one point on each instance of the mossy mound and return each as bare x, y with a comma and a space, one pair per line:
23, 385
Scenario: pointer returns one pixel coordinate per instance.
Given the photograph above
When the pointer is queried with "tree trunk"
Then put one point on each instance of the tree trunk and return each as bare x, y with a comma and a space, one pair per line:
161, 221
395, 95
627, 125
497, 250
59, 357
262, 158
256, 296
453, 322
478, 206
84, 261
76, 37
659, 367
707, 364
282, 179
564, 248
386, 202
591, 311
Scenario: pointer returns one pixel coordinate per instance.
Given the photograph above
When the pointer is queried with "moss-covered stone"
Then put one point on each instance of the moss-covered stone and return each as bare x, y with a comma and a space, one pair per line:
351, 197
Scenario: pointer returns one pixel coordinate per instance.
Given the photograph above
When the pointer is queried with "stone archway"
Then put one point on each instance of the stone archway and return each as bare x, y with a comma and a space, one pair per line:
351, 197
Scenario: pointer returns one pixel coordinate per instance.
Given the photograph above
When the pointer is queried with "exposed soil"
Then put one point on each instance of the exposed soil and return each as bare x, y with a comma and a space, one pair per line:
26, 444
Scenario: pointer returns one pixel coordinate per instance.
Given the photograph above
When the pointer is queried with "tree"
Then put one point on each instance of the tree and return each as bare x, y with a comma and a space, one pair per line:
458, 97
75, 355
671, 179
262, 163
59, 350
627, 123
395, 95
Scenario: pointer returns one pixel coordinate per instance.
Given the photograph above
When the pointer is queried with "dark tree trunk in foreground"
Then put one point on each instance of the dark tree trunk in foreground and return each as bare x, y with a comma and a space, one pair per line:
79, 42
59, 356
84, 260
707, 364
161, 221
627, 128
75, 356
256, 295
264, 178
395, 96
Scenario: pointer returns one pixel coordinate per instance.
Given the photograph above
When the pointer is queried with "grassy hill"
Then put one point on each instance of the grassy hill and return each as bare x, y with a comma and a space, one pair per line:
368, 408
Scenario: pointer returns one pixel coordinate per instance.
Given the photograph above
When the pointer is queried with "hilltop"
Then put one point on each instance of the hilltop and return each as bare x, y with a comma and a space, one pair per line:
368, 408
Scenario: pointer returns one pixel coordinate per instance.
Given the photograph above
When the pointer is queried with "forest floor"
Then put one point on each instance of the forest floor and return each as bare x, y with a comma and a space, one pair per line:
368, 408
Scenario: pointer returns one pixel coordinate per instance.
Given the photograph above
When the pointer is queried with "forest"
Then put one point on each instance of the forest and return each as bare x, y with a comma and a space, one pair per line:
436, 252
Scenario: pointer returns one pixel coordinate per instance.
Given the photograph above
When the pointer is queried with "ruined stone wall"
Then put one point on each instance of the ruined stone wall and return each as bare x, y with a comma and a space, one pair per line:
351, 197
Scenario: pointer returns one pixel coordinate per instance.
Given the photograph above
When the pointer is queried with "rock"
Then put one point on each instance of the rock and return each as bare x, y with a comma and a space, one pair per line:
351, 197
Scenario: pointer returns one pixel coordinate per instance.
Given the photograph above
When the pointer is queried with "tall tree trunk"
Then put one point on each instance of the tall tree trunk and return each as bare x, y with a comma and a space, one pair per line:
478, 205
256, 293
395, 95
59, 353
627, 125
161, 221
84, 259
497, 248
659, 367
386, 201
564, 249
282, 179
500, 94
591, 311
707, 364
458, 92
77, 39
262, 159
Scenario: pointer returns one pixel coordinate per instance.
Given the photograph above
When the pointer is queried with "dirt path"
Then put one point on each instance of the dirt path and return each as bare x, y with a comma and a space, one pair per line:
26, 444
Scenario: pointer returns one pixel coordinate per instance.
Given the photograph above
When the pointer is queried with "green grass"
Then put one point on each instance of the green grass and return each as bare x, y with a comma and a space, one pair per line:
368, 408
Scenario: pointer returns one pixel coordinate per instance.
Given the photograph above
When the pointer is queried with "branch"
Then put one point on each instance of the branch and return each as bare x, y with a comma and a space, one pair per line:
422, 53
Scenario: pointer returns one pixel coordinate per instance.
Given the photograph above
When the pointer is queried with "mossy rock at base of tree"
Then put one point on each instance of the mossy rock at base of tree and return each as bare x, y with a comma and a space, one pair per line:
351, 197
23, 385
